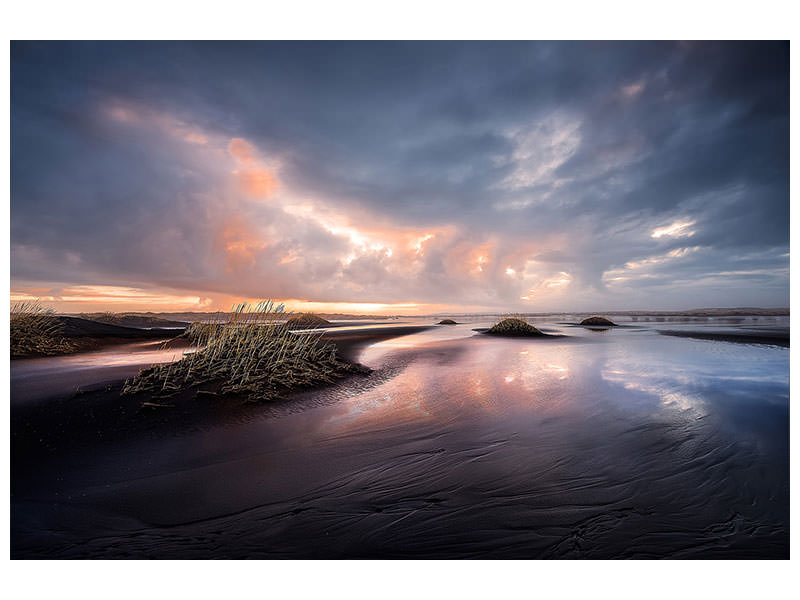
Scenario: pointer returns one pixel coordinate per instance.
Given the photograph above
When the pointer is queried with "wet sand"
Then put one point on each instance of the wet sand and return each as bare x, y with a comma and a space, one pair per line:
615, 444
772, 336
69, 402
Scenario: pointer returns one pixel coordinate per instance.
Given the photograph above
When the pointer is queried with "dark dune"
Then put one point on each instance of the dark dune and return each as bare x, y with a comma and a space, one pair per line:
513, 327
307, 321
598, 321
773, 337
77, 327
135, 320
85, 335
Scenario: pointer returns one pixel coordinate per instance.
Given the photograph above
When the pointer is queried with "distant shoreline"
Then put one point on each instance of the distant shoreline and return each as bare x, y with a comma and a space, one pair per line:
188, 317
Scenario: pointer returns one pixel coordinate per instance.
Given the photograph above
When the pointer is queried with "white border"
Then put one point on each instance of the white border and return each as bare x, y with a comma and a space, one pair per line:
400, 19
410, 19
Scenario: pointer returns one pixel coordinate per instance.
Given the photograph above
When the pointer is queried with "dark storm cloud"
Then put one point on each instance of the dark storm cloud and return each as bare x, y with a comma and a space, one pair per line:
584, 147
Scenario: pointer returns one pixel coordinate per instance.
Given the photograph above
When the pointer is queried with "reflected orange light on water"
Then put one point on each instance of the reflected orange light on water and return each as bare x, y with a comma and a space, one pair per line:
450, 379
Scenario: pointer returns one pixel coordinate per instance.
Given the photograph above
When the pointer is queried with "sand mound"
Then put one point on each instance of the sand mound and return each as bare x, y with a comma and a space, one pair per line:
254, 354
598, 321
514, 327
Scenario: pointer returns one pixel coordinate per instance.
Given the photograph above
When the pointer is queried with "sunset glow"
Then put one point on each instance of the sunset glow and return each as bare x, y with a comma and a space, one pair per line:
193, 201
677, 229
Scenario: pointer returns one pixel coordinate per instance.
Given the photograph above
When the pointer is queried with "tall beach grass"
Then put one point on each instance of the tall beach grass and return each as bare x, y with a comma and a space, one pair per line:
36, 331
513, 325
253, 354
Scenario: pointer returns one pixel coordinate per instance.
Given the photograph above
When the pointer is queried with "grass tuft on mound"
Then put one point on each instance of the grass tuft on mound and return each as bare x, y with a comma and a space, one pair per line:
307, 321
254, 354
598, 321
513, 326
36, 331
447, 322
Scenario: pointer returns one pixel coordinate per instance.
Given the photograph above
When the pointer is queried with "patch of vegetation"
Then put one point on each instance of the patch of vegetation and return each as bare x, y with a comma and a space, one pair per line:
307, 321
447, 322
599, 321
254, 354
36, 331
513, 326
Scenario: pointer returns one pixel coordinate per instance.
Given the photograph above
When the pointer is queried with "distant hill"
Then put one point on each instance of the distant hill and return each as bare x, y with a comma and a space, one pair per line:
78, 327
696, 312
180, 319
139, 320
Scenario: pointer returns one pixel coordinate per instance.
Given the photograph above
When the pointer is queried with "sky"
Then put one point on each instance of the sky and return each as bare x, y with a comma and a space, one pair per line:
400, 177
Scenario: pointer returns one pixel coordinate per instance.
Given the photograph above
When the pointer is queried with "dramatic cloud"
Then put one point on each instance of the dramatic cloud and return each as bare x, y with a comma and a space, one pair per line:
401, 176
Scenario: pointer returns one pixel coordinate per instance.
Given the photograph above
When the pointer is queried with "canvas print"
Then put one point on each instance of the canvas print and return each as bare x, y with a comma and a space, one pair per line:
399, 300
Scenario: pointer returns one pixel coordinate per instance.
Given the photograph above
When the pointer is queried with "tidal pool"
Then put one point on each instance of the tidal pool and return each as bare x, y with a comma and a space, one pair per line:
603, 444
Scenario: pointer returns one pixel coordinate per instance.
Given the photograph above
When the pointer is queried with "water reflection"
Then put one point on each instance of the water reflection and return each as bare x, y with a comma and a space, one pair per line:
628, 444
39, 378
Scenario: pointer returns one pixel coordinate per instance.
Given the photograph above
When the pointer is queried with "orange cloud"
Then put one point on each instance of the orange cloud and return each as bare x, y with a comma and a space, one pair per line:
255, 179
257, 182
406, 247
478, 258
195, 137
240, 243
241, 150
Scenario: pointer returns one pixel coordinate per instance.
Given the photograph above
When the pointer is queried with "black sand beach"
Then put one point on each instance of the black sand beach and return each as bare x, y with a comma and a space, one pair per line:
456, 445
55, 421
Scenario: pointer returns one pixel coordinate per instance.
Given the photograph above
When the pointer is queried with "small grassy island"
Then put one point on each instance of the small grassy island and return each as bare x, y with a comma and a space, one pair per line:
514, 327
255, 355
447, 322
598, 321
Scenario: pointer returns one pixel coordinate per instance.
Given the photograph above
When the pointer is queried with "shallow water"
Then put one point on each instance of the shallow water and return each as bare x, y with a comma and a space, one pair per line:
35, 379
605, 444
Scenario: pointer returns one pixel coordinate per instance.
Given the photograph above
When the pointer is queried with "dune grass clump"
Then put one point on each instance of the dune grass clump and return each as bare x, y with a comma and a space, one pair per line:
447, 322
36, 331
598, 321
307, 321
253, 354
513, 326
